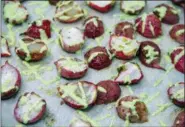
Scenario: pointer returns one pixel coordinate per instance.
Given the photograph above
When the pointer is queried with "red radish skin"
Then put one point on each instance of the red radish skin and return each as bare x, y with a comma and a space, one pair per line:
99, 8
72, 103
91, 30
179, 120
126, 70
171, 15
174, 33
112, 92
80, 123
101, 60
5, 51
148, 26
172, 91
70, 74
5, 70
143, 55
37, 117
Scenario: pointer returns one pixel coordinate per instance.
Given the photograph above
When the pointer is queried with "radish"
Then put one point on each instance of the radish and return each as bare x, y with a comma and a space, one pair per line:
149, 54
72, 39
129, 73
14, 12
68, 12
123, 47
5, 51
179, 3
10, 81
80, 123
30, 108
176, 94
53, 2
78, 95
101, 6
71, 68
177, 33
179, 120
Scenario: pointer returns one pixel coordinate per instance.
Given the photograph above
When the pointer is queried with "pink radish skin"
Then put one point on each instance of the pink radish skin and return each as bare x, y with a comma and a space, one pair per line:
130, 70
80, 123
37, 117
142, 55
5, 51
17, 83
69, 74
72, 103
173, 90
179, 120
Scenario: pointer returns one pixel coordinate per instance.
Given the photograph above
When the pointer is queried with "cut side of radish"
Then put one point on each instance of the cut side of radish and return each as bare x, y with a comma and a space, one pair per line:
129, 73
30, 108
10, 81
80, 123
5, 51
78, 95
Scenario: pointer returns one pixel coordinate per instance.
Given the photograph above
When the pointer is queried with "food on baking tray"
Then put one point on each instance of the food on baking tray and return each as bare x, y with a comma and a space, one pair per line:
108, 91
80, 123
53, 2
166, 14
123, 47
176, 94
179, 120
150, 54
38, 29
10, 80
177, 58
68, 12
125, 29
129, 73
72, 39
132, 109
30, 49
30, 108
101, 6
148, 26
14, 12
93, 27
132, 7
5, 51
98, 58
177, 33
71, 68
180, 3
78, 95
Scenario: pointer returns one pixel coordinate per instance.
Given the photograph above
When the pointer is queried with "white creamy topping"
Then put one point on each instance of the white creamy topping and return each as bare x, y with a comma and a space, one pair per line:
132, 6
93, 55
101, 3
94, 20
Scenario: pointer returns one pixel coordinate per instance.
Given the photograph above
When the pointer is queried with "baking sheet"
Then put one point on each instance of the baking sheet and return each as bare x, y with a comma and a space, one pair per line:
61, 115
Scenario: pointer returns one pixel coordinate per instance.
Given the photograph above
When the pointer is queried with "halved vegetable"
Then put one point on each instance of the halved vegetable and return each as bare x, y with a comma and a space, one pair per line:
101, 6
78, 95
179, 120
80, 123
150, 54
179, 3
71, 68
30, 108
14, 12
129, 73
176, 94
10, 81
177, 33
31, 49
72, 39
53, 2
5, 51
68, 12
123, 47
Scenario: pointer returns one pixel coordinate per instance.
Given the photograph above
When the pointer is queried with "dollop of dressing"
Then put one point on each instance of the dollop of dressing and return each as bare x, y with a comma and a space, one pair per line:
151, 54
132, 6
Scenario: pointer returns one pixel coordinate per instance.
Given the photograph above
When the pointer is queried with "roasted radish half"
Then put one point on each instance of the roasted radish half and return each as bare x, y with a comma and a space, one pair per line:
31, 49
10, 81
5, 51
101, 6
71, 68
150, 54
179, 120
14, 12
132, 109
123, 47
129, 73
98, 58
132, 7
30, 108
177, 58
78, 95
167, 14
53, 2
176, 94
148, 26
38, 29
93, 27
179, 3
108, 91
177, 33
80, 123
68, 12
72, 39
